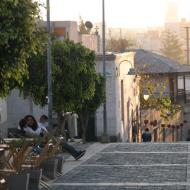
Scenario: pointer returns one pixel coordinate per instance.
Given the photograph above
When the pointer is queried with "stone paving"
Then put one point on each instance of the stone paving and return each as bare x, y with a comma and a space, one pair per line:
125, 166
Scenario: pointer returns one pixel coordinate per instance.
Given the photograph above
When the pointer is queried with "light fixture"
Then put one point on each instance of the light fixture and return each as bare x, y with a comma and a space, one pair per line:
146, 97
131, 71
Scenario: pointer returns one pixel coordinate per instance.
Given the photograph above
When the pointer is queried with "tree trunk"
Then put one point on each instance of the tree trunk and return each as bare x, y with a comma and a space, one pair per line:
61, 124
84, 117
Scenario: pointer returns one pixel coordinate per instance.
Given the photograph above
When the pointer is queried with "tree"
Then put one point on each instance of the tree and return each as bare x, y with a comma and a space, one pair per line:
172, 47
158, 99
74, 65
91, 105
74, 77
18, 40
118, 45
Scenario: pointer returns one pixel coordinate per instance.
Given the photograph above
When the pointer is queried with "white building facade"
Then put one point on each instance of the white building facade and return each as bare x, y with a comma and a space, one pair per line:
122, 97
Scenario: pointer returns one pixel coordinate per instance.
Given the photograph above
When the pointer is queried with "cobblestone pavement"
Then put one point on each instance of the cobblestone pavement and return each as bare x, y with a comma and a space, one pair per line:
124, 166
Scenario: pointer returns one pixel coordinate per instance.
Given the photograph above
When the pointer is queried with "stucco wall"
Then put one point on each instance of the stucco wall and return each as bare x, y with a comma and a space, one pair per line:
116, 71
110, 100
131, 102
90, 41
18, 107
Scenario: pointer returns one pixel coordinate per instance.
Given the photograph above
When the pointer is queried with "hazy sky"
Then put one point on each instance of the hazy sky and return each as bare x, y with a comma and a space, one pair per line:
118, 13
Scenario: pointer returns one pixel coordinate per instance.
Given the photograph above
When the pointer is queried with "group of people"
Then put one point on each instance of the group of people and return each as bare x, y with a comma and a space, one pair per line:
29, 127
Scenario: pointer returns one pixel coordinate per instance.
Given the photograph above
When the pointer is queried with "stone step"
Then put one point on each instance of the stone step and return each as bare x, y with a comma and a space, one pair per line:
147, 147
118, 187
131, 166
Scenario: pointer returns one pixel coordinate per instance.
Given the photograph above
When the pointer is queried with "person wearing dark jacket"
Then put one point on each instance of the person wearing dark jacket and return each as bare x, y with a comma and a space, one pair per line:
146, 136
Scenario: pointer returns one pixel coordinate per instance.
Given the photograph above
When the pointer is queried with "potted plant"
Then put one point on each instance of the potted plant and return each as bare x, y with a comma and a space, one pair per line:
18, 181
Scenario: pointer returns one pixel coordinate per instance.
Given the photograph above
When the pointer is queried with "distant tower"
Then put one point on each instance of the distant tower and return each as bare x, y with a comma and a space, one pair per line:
171, 13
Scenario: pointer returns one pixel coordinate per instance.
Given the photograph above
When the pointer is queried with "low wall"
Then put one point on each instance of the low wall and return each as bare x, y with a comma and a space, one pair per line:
168, 131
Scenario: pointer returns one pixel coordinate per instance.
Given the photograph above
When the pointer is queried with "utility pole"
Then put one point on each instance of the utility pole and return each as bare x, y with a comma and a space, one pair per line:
49, 67
105, 138
187, 50
187, 43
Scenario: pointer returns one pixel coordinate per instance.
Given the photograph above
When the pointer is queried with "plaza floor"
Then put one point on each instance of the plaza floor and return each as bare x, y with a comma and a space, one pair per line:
128, 166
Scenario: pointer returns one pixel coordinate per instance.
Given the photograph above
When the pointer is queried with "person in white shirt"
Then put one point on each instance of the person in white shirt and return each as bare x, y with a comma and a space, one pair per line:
43, 121
32, 128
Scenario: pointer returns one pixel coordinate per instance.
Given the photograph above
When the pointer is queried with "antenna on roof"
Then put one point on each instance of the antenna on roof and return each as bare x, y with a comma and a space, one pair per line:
88, 24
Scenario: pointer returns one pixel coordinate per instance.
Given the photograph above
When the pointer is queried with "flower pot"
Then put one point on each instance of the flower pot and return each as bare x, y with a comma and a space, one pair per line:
60, 163
34, 180
163, 125
18, 181
49, 168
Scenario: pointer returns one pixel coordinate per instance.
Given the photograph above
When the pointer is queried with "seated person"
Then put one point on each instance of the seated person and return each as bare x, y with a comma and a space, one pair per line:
17, 132
32, 128
43, 121
22, 124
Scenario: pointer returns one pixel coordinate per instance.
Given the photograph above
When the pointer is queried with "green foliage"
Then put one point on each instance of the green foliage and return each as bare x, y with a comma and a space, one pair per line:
35, 84
17, 143
73, 73
157, 98
75, 68
18, 40
48, 137
92, 104
172, 47
89, 106
99, 95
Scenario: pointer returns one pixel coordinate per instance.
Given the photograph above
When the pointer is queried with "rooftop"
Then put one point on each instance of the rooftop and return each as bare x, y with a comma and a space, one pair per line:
152, 63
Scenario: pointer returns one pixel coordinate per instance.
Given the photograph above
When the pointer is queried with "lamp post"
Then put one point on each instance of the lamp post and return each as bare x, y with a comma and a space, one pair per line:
49, 68
105, 137
146, 97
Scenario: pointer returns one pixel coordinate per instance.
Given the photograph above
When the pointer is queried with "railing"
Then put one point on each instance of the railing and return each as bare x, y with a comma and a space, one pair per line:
183, 97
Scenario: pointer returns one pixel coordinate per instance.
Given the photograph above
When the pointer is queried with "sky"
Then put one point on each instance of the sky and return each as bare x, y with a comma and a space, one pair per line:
118, 13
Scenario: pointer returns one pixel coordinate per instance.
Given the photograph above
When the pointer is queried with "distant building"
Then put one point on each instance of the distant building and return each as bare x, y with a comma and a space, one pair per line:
171, 13
164, 71
179, 28
69, 29
150, 40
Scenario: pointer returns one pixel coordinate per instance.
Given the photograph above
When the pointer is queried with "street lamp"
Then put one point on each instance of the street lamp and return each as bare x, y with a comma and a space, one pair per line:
146, 97
105, 137
49, 67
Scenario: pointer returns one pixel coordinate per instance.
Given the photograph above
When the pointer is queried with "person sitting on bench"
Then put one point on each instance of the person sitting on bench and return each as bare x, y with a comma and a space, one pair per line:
32, 129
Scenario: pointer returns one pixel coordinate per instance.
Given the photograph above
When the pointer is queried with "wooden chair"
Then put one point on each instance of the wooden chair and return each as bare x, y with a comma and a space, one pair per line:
19, 158
49, 150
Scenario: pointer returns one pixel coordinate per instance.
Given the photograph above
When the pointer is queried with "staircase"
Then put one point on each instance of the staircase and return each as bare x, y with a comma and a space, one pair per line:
132, 166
